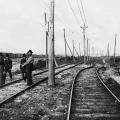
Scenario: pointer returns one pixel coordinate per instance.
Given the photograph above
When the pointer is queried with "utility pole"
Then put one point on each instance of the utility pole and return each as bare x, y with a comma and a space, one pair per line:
73, 52
87, 50
84, 41
93, 51
46, 41
79, 50
51, 81
65, 46
115, 48
108, 53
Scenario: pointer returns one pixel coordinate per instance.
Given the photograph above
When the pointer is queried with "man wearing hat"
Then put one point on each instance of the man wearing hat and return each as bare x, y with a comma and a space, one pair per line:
29, 67
23, 69
2, 72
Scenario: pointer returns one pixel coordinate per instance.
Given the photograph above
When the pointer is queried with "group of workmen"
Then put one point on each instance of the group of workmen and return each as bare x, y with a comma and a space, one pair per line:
26, 67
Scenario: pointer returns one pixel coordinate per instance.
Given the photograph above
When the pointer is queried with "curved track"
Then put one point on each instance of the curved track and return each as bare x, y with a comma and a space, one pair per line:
11, 91
90, 100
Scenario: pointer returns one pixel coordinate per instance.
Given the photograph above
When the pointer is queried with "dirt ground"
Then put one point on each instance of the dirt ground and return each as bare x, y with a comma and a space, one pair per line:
42, 102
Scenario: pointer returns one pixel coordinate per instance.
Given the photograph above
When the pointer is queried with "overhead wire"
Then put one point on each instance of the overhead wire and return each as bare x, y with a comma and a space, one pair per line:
80, 12
57, 17
64, 24
83, 11
73, 12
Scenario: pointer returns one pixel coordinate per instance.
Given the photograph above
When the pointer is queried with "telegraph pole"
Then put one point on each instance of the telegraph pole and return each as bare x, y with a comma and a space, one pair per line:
84, 46
79, 50
115, 48
51, 81
93, 51
108, 53
65, 46
87, 49
73, 52
46, 40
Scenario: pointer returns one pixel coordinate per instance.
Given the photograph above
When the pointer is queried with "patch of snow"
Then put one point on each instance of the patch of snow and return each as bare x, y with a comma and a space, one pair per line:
116, 78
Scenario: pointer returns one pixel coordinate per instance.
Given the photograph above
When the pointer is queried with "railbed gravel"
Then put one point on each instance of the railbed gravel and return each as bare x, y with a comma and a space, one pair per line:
42, 102
109, 78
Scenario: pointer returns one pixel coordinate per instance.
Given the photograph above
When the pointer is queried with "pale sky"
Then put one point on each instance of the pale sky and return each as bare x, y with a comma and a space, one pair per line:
22, 24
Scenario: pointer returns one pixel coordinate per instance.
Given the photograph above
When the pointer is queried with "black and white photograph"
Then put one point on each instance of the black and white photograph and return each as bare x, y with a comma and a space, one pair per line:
59, 60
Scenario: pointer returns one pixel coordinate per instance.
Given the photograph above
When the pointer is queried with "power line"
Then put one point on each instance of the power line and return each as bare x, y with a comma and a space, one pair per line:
64, 24
73, 12
80, 12
83, 11
60, 20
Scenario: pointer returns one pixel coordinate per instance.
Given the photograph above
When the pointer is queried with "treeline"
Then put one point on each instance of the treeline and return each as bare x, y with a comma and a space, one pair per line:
19, 55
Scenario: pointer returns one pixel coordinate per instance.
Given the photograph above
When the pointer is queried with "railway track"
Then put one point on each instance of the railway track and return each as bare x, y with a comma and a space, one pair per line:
11, 91
90, 99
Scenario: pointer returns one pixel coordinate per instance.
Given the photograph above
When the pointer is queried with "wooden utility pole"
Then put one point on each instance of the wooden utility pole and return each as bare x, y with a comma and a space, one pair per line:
65, 46
93, 51
51, 81
84, 41
79, 50
115, 48
87, 50
46, 41
108, 52
73, 52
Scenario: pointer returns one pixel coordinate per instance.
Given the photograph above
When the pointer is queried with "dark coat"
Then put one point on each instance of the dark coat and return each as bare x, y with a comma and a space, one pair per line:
8, 64
2, 65
21, 63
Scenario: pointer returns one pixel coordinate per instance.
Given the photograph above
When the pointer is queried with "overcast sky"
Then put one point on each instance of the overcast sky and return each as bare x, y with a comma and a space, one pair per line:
22, 24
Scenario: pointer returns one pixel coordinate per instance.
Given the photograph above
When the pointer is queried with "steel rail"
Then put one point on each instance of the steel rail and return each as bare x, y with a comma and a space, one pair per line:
19, 80
99, 77
71, 93
32, 86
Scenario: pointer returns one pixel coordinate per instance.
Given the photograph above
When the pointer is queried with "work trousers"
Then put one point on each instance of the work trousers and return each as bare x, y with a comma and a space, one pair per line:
29, 69
24, 75
29, 77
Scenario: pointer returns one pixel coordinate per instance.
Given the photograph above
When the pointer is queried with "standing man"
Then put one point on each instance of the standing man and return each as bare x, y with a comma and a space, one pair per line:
23, 69
8, 65
2, 77
29, 67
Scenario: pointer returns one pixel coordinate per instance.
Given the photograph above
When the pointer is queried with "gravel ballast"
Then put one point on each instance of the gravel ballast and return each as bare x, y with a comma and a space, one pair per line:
42, 102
